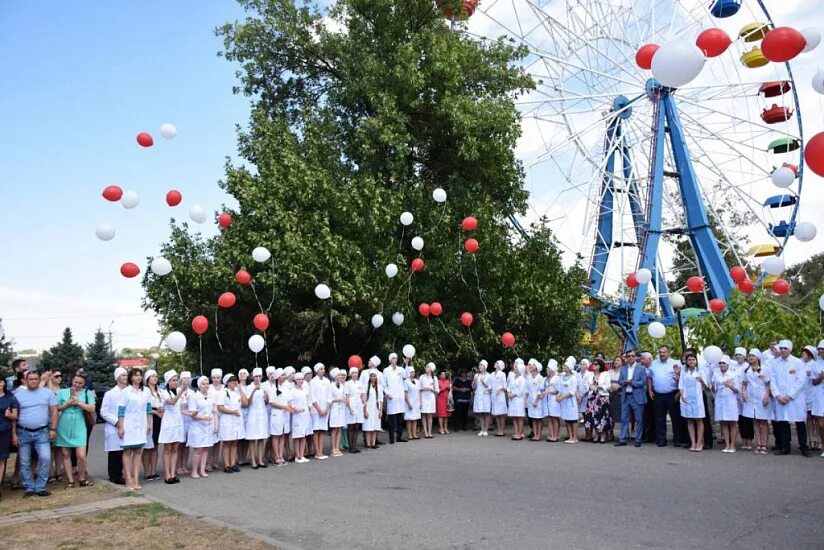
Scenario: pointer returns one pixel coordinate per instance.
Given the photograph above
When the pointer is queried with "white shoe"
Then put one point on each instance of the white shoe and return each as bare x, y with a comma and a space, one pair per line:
301, 460
321, 457
480, 434
486, 434
822, 455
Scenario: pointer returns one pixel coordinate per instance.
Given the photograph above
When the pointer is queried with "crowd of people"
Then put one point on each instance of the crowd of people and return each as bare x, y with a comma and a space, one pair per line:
281, 415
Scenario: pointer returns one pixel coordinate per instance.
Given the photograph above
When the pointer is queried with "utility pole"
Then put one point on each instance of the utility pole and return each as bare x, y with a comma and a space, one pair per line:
110, 337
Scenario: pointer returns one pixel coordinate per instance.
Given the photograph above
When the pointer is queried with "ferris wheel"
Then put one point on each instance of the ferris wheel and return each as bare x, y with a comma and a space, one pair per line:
631, 172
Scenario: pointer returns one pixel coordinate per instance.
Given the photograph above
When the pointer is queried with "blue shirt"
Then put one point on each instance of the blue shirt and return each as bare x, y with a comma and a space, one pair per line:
663, 376
34, 407
7, 401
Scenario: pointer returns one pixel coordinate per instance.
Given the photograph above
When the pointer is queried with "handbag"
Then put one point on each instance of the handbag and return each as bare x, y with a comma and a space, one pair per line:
90, 417
450, 403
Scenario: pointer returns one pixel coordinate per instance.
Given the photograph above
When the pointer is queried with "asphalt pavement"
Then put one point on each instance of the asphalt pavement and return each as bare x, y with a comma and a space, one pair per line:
464, 491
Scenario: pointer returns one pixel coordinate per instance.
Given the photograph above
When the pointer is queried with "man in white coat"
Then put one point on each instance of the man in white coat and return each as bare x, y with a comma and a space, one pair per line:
787, 383
394, 376
111, 442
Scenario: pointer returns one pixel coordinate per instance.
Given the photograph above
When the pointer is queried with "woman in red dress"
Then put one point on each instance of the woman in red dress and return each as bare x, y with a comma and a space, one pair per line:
444, 389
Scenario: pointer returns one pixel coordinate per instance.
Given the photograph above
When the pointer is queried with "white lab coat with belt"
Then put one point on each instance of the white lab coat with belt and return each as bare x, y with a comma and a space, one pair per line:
108, 411
788, 377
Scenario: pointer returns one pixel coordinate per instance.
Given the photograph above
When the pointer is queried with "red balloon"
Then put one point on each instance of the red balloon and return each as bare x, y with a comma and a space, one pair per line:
173, 197
695, 284
243, 277
112, 193
782, 44
144, 139
227, 299
261, 321
435, 308
129, 270
746, 286
781, 287
355, 362
717, 305
471, 246
508, 339
814, 153
417, 265
424, 310
469, 223
713, 42
200, 324
224, 220
632, 281
643, 57
466, 318
738, 273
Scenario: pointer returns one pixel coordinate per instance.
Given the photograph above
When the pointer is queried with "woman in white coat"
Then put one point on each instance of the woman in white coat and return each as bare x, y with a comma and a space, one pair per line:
112, 443
498, 398
301, 418
279, 398
482, 403
553, 407
354, 409
516, 393
319, 395
808, 359
184, 389
412, 402
257, 420
372, 408
429, 391
134, 424
171, 434
203, 427
337, 408
586, 380
567, 398
229, 405
243, 378
535, 399
726, 386
756, 401
691, 386
817, 382
150, 451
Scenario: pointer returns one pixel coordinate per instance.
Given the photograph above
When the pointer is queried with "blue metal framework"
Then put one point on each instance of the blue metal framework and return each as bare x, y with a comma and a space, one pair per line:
627, 315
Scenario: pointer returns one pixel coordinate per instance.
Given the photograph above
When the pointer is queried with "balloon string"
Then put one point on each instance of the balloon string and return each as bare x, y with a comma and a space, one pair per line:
200, 343
437, 341
266, 347
448, 333
434, 227
273, 286
400, 242
472, 340
256, 361
179, 295
367, 341
478, 280
332, 324
252, 284
217, 333
460, 259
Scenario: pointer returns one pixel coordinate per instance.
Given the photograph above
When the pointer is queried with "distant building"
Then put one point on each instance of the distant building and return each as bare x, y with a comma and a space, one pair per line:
139, 362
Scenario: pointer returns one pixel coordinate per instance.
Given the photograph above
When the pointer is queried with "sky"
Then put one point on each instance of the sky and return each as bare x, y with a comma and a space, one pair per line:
80, 80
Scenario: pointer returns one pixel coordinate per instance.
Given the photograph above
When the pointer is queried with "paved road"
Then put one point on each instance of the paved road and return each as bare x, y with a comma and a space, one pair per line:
462, 491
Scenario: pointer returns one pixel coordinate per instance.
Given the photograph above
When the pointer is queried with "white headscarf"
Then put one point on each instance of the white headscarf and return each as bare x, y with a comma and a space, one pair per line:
318, 366
168, 375
217, 372
375, 361
785, 344
257, 371
118, 372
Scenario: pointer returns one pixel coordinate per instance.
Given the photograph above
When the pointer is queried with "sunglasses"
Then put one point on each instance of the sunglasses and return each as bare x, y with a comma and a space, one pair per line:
58, 375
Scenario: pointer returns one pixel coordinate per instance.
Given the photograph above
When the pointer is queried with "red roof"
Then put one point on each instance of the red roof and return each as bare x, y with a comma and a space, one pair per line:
133, 362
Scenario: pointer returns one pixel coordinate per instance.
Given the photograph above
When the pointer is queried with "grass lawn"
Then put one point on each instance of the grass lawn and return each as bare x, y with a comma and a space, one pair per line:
13, 501
144, 526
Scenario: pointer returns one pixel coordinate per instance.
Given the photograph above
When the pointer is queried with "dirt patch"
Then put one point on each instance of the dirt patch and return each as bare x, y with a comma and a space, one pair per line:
13, 501
142, 526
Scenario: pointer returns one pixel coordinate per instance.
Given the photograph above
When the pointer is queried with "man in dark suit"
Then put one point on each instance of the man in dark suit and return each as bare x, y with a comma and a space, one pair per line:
633, 383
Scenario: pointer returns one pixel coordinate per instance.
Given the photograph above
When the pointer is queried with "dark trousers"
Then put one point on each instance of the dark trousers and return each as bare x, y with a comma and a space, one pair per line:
667, 403
395, 426
783, 435
460, 415
708, 439
746, 427
649, 421
115, 459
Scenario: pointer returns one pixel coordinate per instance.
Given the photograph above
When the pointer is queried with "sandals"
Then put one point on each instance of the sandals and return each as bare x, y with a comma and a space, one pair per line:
86, 483
69, 485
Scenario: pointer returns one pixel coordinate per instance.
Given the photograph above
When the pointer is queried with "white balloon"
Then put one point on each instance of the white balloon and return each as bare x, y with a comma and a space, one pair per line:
407, 218
161, 266
656, 329
677, 63
439, 195
417, 243
176, 341
818, 82
712, 354
773, 265
397, 318
813, 38
643, 275
408, 351
130, 199
391, 270
377, 320
104, 231
256, 343
821, 302
677, 300
197, 214
783, 177
805, 231
168, 130
322, 291
261, 254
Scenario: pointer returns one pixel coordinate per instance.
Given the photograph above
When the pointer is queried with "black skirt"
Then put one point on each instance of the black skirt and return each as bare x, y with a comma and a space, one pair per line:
5, 444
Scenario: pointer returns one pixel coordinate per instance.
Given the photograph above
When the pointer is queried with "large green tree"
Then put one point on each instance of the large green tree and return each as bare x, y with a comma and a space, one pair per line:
100, 360
63, 355
6, 348
350, 128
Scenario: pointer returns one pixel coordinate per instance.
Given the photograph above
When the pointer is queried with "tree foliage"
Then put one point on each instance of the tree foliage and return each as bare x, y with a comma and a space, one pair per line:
64, 355
350, 128
6, 348
100, 360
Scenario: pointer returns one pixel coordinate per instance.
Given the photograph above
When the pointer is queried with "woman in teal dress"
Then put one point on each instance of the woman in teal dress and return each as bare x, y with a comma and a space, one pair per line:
72, 402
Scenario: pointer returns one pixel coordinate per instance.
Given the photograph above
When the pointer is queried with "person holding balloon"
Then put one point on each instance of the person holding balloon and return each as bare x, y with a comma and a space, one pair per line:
691, 385
171, 434
372, 409
354, 408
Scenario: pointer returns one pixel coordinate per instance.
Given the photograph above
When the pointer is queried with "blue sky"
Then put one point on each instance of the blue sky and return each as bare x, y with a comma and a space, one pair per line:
80, 80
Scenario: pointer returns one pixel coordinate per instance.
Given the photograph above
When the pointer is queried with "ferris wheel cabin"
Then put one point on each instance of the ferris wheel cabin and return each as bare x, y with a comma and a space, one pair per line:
725, 8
